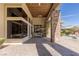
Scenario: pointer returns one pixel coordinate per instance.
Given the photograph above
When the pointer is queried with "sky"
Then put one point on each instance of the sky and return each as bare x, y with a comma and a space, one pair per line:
70, 14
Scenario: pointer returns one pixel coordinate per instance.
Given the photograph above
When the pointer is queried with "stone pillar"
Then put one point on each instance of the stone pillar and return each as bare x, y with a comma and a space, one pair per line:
28, 28
2, 21
55, 26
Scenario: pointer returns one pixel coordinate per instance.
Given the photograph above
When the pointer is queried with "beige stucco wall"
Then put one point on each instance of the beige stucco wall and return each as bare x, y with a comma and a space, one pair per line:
2, 28
38, 21
48, 30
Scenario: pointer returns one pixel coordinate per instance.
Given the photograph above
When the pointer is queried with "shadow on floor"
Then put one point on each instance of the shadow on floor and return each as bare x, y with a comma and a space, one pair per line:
42, 51
3, 46
63, 50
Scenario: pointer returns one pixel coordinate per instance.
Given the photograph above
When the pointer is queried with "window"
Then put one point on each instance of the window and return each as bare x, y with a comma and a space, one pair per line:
16, 29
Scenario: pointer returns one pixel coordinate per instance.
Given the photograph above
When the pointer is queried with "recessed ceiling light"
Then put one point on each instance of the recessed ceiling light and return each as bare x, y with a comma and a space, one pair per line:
39, 15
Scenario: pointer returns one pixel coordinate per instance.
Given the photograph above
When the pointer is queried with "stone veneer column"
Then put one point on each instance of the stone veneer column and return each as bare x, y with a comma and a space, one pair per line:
55, 26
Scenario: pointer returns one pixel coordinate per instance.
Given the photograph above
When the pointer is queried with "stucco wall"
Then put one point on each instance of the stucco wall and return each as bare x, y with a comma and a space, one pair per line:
2, 28
38, 21
48, 30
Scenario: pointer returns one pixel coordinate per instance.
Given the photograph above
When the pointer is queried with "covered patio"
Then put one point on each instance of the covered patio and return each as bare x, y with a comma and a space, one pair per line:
33, 29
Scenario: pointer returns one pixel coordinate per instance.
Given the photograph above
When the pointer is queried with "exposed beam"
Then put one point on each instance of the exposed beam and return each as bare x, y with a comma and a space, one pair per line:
25, 8
13, 5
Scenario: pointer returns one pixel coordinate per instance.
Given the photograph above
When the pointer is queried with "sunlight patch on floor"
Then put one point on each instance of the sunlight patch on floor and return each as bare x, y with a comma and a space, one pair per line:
51, 50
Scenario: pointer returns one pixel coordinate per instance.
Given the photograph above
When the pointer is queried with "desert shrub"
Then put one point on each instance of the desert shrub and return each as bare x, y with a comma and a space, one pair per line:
2, 41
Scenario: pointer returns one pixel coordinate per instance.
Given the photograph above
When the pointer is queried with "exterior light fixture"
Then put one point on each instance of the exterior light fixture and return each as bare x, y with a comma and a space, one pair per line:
39, 4
39, 15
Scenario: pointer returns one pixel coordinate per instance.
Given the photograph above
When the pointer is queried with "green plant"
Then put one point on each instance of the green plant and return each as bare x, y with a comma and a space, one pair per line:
2, 41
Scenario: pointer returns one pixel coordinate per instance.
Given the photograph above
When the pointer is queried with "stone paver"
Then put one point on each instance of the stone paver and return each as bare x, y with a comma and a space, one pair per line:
19, 50
40, 47
70, 43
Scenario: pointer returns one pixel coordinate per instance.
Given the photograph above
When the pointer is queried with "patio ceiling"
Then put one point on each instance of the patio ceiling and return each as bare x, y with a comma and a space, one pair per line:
38, 9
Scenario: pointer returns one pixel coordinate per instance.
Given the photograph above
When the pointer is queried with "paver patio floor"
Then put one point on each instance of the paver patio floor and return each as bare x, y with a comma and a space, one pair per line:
38, 47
